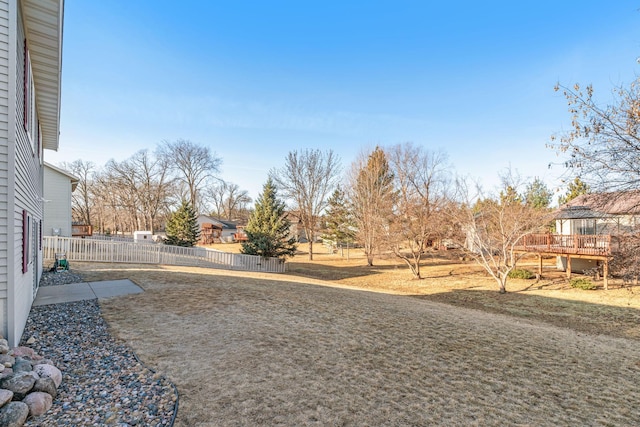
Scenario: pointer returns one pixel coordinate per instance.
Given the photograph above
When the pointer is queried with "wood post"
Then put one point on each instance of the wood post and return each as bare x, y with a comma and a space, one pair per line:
540, 265
568, 266
605, 274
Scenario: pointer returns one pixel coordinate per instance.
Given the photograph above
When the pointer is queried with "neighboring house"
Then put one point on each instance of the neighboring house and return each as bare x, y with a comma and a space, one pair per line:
596, 215
610, 213
214, 230
58, 186
296, 230
30, 67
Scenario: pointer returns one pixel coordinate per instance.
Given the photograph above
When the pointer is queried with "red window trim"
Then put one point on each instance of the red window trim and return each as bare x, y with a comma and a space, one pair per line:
25, 241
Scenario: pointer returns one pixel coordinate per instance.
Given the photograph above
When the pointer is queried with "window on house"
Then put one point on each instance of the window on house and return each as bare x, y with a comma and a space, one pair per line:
31, 125
587, 227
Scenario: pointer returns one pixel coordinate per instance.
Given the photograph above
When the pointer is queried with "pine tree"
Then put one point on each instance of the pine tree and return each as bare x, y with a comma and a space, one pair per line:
182, 226
372, 198
268, 227
574, 189
538, 194
338, 219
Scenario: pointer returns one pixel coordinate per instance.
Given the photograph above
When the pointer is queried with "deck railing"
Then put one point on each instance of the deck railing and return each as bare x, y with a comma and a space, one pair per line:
76, 249
573, 244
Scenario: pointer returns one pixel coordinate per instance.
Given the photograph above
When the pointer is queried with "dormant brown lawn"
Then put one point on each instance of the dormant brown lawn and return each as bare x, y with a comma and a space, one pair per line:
337, 343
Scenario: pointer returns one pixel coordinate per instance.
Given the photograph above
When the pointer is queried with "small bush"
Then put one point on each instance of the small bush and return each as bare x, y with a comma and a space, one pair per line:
520, 273
582, 283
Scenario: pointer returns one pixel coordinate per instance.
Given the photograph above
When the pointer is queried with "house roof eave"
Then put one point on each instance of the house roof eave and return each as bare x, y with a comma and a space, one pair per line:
43, 21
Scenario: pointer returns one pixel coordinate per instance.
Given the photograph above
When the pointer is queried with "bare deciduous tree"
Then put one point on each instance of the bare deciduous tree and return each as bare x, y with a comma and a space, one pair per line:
603, 145
422, 184
494, 226
372, 196
306, 179
194, 165
138, 188
82, 200
229, 201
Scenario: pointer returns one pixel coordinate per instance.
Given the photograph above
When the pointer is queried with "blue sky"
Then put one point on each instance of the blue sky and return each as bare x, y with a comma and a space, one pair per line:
254, 80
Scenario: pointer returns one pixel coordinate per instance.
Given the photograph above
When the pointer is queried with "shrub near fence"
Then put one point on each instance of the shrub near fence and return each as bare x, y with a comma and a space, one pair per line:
92, 250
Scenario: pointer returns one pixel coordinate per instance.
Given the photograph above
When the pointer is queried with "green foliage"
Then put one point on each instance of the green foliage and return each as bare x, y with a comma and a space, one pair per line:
268, 227
574, 189
372, 200
509, 196
582, 283
521, 273
182, 227
537, 194
338, 219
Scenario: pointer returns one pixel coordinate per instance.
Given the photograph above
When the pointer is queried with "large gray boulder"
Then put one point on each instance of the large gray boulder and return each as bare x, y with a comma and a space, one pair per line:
5, 396
19, 383
14, 414
49, 371
22, 365
45, 385
38, 403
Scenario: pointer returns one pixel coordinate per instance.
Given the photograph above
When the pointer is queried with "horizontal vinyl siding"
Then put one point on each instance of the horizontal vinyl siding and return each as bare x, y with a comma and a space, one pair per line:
28, 193
57, 208
5, 201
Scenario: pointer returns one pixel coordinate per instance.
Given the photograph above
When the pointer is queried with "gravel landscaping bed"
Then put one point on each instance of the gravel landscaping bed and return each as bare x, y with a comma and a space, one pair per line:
103, 382
60, 278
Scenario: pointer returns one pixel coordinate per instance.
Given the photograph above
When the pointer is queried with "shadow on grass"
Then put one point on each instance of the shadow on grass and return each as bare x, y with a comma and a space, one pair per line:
581, 316
318, 269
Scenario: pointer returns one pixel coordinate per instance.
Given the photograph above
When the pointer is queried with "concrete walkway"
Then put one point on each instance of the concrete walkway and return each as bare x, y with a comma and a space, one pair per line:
86, 290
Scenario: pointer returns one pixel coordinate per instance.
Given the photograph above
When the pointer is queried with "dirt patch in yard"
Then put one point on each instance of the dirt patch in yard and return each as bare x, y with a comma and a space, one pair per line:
322, 349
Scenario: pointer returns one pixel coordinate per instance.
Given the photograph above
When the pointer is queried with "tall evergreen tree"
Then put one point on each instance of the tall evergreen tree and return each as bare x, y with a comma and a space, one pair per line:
338, 219
537, 194
574, 189
182, 226
372, 198
268, 228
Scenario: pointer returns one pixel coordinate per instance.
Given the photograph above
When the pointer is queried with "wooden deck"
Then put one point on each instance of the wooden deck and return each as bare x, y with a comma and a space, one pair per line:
572, 244
599, 247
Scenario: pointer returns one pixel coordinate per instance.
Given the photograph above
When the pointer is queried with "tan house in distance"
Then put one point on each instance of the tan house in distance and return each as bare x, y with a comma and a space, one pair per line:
58, 186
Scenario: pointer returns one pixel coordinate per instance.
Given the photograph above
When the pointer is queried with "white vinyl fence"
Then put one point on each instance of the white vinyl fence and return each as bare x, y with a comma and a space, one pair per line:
77, 249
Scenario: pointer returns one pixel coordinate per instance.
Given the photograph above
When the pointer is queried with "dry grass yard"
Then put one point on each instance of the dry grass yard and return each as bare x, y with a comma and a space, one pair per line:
336, 343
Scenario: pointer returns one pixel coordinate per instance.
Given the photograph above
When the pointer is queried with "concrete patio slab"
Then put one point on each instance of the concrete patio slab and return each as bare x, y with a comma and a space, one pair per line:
114, 288
83, 291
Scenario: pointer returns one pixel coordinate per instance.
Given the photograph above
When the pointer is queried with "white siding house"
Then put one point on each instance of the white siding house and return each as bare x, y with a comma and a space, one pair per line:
30, 66
58, 186
612, 214
215, 230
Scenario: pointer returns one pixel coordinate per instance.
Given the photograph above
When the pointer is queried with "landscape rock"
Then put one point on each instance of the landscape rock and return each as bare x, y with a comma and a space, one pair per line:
6, 373
5, 396
7, 360
4, 346
38, 403
49, 371
25, 352
43, 362
19, 383
31, 340
46, 385
22, 365
14, 414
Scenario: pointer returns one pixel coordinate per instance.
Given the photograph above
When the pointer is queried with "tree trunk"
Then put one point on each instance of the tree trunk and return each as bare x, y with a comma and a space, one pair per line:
310, 248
